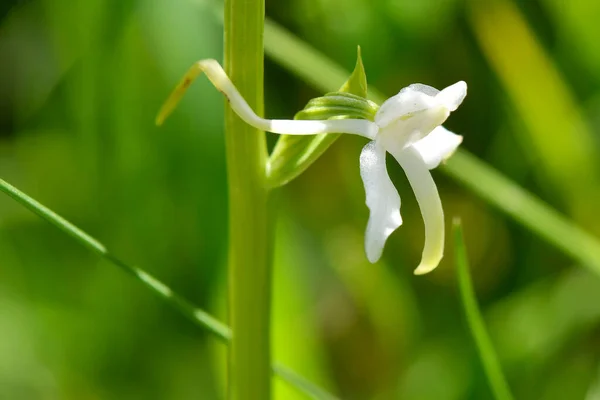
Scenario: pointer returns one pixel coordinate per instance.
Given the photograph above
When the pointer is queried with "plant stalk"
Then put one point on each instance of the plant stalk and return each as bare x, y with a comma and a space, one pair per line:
250, 228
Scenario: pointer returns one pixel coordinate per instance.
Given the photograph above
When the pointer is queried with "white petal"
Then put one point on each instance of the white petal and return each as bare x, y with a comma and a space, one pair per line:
437, 146
361, 127
429, 202
428, 90
411, 99
382, 199
453, 95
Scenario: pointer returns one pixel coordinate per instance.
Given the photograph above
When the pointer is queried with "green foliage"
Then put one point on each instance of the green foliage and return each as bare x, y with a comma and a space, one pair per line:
475, 320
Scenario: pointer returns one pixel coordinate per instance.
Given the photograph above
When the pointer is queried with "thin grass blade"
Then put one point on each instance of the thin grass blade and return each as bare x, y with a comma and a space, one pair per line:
483, 342
162, 291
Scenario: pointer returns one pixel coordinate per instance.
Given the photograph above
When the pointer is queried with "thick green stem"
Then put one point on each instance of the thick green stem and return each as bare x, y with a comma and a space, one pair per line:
249, 223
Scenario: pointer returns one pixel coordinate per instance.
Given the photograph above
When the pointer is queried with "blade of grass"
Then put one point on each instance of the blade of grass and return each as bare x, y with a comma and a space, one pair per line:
483, 342
164, 293
301, 384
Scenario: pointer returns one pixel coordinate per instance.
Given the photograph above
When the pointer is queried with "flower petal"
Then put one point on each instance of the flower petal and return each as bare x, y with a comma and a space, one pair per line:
453, 95
426, 89
437, 146
361, 127
429, 202
411, 99
382, 199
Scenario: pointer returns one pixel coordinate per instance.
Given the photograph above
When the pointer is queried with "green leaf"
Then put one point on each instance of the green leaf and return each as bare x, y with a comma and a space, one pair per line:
162, 291
292, 155
475, 320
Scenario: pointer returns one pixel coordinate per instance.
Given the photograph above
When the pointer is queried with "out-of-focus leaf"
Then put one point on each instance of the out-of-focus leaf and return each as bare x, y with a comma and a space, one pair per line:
576, 24
556, 132
292, 155
475, 321
292, 309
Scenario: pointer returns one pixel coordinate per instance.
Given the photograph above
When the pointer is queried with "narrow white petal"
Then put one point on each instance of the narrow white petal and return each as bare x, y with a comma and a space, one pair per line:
429, 202
437, 146
219, 78
382, 199
453, 95
361, 127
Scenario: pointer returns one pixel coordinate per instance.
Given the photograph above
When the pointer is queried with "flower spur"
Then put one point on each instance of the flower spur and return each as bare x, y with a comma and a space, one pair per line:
407, 125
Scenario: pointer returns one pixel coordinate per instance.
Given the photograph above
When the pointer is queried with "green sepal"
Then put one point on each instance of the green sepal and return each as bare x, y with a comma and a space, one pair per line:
357, 83
293, 154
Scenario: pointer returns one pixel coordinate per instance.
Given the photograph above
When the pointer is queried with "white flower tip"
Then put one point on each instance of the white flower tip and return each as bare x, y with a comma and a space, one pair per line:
457, 141
438, 146
426, 267
376, 236
452, 96
373, 255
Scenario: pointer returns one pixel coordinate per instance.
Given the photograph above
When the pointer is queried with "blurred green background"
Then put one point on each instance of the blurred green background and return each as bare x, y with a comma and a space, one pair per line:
80, 84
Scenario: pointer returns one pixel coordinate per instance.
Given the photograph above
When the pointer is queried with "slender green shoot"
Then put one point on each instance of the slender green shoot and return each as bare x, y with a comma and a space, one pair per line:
490, 362
162, 291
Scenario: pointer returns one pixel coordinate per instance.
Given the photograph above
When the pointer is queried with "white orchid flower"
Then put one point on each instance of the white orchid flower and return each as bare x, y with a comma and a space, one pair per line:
407, 125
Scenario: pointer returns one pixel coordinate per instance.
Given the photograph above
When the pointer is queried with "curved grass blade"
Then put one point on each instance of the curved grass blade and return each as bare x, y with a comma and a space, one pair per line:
303, 385
484, 345
164, 293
